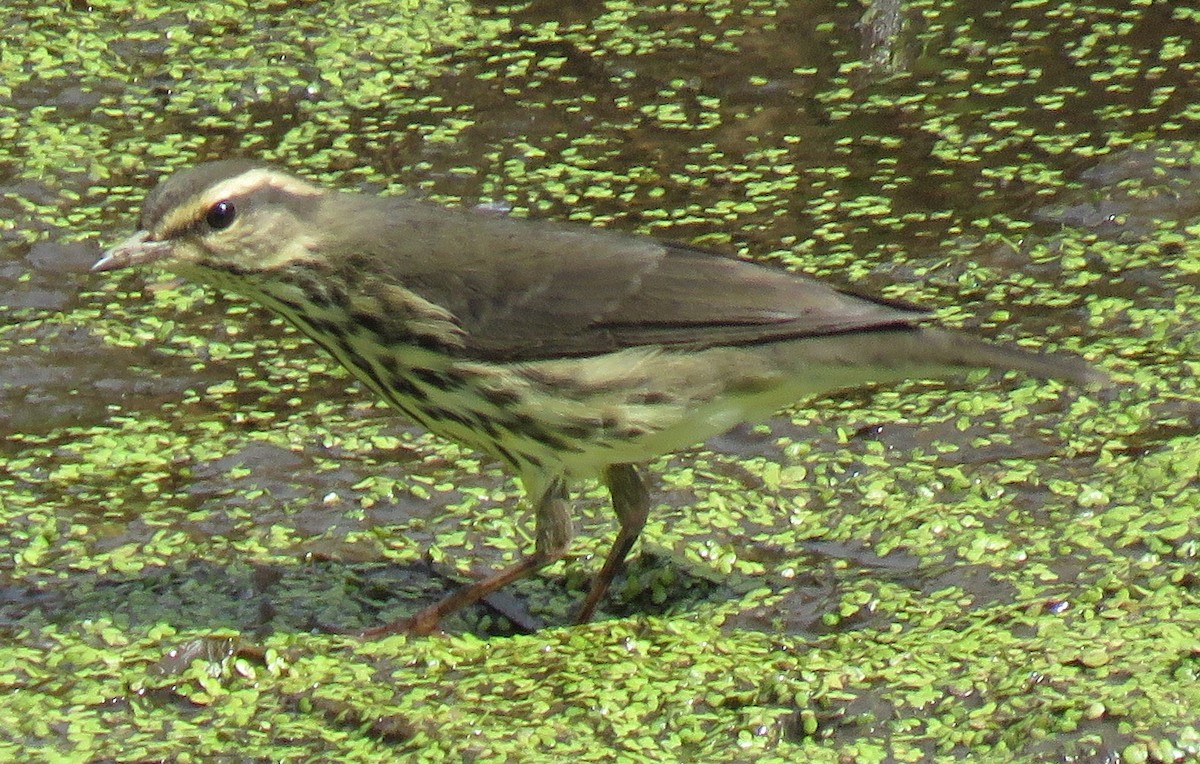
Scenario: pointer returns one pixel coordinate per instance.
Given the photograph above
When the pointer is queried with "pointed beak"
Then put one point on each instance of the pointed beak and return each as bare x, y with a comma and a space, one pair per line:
136, 250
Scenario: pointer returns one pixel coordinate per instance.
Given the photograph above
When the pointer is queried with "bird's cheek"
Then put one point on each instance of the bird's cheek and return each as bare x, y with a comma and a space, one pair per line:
185, 255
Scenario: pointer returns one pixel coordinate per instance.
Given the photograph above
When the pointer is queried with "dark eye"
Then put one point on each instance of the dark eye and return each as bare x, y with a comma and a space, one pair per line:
220, 215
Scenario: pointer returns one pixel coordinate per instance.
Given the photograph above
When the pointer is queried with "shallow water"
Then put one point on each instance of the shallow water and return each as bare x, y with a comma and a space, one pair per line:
174, 456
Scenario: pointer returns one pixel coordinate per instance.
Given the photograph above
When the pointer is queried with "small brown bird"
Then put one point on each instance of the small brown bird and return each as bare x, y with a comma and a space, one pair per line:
565, 352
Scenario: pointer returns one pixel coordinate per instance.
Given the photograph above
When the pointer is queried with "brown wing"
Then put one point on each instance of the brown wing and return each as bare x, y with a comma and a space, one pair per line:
525, 290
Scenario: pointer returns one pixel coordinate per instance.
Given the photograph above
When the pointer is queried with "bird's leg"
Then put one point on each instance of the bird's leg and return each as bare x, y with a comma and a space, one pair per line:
553, 536
631, 502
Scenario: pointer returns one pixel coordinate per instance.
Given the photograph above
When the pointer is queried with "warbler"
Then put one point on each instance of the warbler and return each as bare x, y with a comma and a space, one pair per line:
565, 352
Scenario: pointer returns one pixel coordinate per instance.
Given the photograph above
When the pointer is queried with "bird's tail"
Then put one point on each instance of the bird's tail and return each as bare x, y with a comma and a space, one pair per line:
964, 350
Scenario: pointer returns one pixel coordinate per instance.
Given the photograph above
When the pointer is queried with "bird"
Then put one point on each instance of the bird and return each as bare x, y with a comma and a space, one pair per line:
565, 352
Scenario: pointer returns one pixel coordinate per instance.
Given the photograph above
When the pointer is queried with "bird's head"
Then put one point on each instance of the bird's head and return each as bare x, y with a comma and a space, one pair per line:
222, 219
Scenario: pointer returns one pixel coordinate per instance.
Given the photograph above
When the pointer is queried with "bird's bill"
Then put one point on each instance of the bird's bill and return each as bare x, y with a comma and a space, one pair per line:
136, 250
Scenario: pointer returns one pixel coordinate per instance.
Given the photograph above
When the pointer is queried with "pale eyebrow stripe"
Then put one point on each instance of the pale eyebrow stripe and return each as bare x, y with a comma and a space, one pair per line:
253, 180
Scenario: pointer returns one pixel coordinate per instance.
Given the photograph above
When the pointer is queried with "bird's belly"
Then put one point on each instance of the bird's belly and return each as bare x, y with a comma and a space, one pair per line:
572, 416
578, 415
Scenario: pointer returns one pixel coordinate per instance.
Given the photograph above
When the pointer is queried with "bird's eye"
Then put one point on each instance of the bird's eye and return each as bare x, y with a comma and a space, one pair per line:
220, 215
